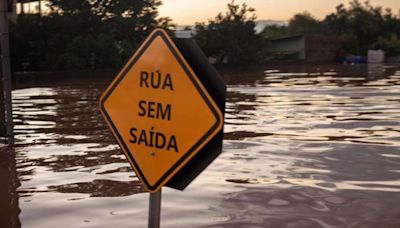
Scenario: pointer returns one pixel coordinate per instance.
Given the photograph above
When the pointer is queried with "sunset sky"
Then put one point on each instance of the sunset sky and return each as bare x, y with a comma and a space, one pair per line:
186, 12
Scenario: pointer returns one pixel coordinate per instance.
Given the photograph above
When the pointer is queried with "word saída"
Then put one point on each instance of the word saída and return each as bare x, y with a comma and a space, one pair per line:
153, 139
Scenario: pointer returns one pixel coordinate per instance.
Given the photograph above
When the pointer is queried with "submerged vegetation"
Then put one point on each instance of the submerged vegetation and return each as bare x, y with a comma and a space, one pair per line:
88, 34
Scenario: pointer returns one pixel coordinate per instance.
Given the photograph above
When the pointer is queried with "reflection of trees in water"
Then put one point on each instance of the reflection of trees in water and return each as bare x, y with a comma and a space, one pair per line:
235, 76
309, 74
102, 188
79, 121
78, 114
9, 208
80, 134
67, 163
332, 74
240, 102
240, 109
88, 162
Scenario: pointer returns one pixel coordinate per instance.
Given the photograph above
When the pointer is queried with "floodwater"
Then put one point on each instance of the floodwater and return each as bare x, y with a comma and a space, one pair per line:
305, 146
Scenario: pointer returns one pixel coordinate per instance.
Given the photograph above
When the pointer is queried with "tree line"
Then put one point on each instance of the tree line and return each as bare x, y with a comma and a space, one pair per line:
81, 34
361, 27
84, 34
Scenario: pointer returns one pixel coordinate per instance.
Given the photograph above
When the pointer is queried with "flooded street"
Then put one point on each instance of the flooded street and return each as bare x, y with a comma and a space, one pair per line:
304, 146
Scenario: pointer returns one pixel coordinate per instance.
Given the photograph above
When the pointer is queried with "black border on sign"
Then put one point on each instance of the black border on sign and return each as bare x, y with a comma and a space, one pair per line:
131, 64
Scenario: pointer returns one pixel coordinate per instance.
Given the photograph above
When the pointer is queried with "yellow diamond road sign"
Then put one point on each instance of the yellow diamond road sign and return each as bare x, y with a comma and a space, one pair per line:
159, 112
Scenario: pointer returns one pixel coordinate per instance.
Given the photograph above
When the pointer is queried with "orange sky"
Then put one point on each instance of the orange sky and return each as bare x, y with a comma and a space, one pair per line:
186, 12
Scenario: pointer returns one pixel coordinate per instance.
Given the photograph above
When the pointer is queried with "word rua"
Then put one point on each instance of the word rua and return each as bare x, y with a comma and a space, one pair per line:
156, 80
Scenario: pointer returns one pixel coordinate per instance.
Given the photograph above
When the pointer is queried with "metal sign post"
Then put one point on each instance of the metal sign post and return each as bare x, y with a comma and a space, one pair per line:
155, 209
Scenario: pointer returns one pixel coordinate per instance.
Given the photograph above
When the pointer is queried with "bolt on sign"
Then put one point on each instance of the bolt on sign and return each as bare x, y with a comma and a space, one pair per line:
165, 109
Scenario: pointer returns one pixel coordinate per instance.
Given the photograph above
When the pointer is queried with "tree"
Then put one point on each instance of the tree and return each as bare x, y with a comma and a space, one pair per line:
304, 23
299, 24
361, 25
88, 33
231, 37
389, 43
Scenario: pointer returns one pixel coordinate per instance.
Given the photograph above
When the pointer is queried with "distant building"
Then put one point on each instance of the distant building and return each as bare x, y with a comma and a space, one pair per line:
261, 24
310, 48
184, 33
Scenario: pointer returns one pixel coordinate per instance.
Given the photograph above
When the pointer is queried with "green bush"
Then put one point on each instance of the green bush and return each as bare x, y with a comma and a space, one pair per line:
390, 44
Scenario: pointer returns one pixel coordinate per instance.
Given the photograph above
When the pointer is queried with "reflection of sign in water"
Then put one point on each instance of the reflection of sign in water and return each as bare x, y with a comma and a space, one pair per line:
159, 111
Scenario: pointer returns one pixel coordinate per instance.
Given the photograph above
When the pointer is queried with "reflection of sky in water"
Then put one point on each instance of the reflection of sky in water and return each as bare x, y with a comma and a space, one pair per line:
305, 146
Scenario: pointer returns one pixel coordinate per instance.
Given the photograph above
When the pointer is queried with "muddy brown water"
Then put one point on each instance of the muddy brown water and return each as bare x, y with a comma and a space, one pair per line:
305, 146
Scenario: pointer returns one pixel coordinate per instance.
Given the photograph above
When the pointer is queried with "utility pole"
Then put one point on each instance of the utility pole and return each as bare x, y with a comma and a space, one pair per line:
6, 120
